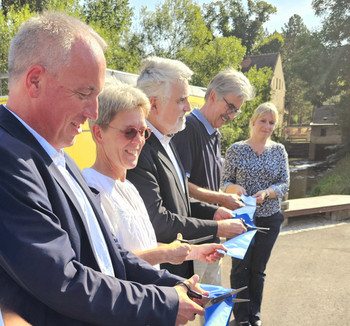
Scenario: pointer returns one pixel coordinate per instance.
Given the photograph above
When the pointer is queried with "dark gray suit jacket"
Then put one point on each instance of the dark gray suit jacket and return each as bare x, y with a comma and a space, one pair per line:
48, 271
170, 209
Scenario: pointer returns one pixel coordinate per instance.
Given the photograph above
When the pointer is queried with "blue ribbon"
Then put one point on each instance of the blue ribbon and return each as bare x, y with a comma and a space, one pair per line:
1, 322
238, 246
218, 314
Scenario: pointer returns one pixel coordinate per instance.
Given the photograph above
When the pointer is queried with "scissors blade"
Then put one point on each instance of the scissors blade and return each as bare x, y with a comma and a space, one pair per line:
220, 298
240, 300
198, 240
260, 229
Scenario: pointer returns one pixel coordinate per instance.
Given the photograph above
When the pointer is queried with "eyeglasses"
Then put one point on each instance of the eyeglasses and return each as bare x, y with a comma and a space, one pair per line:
232, 109
131, 132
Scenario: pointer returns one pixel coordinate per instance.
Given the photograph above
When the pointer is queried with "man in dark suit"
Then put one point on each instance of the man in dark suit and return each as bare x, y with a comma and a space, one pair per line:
159, 176
59, 264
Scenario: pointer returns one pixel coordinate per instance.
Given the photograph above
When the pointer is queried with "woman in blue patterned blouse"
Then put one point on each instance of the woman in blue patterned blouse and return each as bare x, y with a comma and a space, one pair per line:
257, 167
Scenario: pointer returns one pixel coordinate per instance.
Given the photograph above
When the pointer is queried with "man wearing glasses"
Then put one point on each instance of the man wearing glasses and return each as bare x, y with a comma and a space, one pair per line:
199, 149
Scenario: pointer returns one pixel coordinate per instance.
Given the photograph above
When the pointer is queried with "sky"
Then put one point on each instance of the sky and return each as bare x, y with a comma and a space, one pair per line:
285, 9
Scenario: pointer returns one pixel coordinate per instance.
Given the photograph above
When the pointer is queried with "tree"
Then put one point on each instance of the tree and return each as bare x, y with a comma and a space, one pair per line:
208, 60
336, 37
271, 44
9, 25
172, 27
112, 20
296, 102
68, 6
231, 18
336, 22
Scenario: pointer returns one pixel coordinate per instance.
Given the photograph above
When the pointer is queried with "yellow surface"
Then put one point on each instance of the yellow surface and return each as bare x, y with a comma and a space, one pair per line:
84, 150
3, 99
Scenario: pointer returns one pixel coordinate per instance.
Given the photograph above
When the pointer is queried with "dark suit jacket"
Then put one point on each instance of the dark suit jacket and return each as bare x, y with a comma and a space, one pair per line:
170, 209
48, 271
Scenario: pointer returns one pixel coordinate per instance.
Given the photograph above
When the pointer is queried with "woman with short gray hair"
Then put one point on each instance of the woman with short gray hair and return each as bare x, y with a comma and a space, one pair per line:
120, 133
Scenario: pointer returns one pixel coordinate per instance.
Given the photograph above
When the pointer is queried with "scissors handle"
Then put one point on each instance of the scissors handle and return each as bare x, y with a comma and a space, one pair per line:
194, 241
191, 293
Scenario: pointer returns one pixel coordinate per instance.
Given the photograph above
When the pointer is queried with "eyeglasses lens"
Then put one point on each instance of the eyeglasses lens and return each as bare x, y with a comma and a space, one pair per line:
132, 132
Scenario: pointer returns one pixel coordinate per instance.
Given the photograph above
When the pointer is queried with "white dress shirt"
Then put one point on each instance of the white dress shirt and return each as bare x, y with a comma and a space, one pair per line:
165, 141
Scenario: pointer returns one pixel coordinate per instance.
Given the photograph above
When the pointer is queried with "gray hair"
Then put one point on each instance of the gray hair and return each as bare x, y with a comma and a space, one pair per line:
230, 81
118, 96
267, 107
157, 74
46, 40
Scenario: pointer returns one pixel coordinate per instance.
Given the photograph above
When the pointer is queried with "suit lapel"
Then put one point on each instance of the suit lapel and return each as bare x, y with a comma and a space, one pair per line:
15, 128
164, 157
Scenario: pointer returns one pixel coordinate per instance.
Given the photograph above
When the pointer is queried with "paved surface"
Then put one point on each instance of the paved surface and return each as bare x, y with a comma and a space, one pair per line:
308, 275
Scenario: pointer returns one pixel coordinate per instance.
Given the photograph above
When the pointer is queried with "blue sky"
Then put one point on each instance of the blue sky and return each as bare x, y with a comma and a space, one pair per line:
285, 9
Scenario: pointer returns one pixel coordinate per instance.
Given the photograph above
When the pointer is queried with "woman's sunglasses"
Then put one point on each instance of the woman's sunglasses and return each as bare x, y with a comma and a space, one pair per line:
131, 132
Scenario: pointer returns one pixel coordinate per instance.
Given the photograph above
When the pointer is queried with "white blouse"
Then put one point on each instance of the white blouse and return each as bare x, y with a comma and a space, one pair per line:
125, 211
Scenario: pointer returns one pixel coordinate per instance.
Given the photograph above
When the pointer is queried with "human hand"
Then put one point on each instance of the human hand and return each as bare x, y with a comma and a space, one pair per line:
177, 252
261, 195
230, 228
189, 308
222, 213
231, 201
235, 189
207, 252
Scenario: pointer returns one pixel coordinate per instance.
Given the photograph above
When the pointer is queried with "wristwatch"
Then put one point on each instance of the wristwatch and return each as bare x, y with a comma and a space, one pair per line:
267, 193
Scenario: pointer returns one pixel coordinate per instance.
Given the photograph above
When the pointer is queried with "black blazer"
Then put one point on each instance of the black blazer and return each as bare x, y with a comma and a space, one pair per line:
48, 271
170, 209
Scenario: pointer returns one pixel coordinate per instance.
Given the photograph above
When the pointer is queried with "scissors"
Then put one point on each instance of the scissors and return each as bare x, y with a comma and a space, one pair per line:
207, 302
251, 205
258, 228
194, 241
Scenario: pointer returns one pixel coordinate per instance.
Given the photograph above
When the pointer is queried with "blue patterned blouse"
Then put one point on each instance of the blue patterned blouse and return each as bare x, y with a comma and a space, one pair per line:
254, 172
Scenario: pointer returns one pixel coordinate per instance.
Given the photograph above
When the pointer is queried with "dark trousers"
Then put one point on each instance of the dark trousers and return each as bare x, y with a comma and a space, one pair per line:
251, 270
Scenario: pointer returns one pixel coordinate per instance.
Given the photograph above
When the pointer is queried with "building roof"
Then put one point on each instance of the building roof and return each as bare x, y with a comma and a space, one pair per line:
325, 115
260, 61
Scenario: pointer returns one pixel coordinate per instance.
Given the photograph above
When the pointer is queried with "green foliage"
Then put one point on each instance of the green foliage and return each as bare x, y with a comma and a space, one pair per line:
112, 19
297, 102
336, 37
69, 6
238, 129
336, 22
342, 109
336, 181
208, 60
172, 27
271, 44
9, 25
113, 16
231, 18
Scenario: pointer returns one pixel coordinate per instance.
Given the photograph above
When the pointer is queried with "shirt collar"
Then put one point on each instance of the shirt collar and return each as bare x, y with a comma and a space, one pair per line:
199, 115
164, 139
